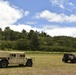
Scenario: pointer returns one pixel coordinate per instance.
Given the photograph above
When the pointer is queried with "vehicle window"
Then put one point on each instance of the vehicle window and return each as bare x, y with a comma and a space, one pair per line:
22, 55
13, 55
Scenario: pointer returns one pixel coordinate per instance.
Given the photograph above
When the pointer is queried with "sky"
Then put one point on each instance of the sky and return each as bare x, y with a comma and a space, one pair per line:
55, 17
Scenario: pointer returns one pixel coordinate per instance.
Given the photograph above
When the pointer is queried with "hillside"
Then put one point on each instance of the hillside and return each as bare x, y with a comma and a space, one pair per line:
35, 41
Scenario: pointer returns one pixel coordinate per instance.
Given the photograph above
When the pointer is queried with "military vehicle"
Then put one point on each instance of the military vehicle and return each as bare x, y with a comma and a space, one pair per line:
8, 57
69, 58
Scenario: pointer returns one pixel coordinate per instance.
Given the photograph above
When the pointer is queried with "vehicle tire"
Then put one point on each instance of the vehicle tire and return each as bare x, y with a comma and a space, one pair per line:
66, 61
62, 59
73, 61
4, 64
29, 63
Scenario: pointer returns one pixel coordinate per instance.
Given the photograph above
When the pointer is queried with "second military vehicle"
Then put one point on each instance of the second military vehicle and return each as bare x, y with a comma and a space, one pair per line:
69, 58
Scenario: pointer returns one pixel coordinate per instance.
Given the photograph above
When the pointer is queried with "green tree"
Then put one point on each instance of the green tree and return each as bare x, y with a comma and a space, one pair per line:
24, 34
35, 45
21, 44
30, 34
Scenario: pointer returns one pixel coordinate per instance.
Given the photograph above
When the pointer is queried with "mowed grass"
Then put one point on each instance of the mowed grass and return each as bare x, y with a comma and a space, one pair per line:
44, 64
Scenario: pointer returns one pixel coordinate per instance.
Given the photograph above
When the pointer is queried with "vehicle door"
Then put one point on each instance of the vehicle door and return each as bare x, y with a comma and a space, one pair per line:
21, 58
13, 58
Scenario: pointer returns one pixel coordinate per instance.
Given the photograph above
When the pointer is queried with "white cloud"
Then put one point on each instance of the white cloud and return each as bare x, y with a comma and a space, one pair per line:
52, 30
71, 7
64, 4
54, 17
26, 13
66, 31
59, 3
70, 3
20, 27
49, 27
31, 22
61, 6
9, 14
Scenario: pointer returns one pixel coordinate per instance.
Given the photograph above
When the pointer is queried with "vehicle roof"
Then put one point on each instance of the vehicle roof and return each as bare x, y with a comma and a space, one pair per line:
12, 52
18, 52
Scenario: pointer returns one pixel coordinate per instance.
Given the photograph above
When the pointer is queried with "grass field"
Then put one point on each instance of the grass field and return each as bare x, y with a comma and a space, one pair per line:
44, 64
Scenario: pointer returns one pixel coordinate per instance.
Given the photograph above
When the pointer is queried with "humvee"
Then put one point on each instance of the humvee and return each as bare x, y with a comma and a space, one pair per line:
19, 58
69, 58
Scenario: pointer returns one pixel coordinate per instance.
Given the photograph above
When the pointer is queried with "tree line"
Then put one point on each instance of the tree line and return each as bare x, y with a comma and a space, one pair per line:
35, 41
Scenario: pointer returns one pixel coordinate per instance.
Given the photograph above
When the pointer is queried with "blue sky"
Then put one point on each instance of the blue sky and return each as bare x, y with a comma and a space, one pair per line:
55, 17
